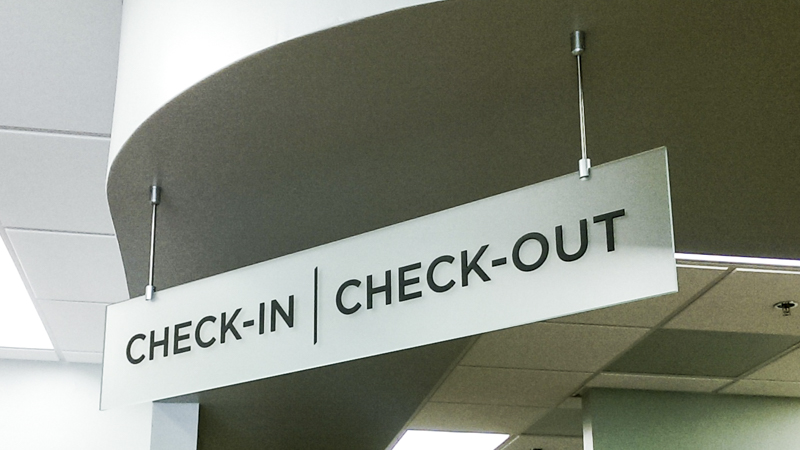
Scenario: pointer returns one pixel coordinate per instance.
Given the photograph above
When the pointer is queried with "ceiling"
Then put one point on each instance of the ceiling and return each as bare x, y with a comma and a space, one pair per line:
59, 63
393, 117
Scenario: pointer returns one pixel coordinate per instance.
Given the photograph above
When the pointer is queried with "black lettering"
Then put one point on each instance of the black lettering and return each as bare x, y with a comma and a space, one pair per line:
287, 318
386, 289
131, 359
178, 337
431, 282
403, 282
227, 325
560, 243
261, 313
162, 343
197, 338
467, 267
343, 309
518, 246
608, 218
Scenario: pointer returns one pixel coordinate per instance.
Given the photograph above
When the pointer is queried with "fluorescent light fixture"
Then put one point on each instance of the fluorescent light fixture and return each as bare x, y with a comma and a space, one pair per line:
438, 440
738, 260
20, 325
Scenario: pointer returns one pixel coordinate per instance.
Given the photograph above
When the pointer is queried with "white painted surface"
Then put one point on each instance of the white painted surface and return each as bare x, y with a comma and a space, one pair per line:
167, 47
54, 182
46, 406
66, 266
76, 326
58, 63
174, 426
642, 265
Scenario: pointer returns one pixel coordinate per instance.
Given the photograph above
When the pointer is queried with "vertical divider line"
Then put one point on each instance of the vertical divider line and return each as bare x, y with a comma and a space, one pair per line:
316, 301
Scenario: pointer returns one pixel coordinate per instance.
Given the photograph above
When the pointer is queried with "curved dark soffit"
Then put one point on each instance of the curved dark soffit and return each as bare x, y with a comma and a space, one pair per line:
403, 114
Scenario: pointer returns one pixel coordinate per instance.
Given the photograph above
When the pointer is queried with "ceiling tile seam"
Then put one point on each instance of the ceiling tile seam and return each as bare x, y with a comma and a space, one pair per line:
660, 324
488, 404
557, 321
45, 230
82, 302
586, 372
27, 349
516, 405
511, 439
757, 368
104, 136
429, 396
25, 282
47, 328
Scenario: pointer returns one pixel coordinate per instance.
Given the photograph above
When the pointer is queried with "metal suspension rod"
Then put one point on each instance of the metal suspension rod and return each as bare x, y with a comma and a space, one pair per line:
155, 199
578, 41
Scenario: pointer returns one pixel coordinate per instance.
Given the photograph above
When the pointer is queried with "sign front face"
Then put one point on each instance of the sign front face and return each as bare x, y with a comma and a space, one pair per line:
554, 248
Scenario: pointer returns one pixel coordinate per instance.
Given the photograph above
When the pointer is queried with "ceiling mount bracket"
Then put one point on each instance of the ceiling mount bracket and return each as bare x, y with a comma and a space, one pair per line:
786, 307
578, 44
155, 199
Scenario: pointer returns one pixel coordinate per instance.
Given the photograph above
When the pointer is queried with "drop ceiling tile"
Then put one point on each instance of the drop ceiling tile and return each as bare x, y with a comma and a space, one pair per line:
700, 353
51, 182
545, 443
59, 64
559, 422
475, 418
552, 346
763, 387
75, 326
657, 382
648, 313
518, 387
83, 357
572, 403
63, 266
743, 302
787, 368
28, 353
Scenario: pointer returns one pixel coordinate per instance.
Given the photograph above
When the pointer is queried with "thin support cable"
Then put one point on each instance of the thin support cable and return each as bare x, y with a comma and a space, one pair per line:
155, 199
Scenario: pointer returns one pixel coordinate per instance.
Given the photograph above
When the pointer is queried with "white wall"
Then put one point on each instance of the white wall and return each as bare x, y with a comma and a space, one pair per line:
47, 405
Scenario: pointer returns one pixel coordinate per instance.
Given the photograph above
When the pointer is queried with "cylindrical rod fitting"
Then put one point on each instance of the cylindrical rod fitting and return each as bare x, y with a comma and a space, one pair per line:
155, 195
578, 40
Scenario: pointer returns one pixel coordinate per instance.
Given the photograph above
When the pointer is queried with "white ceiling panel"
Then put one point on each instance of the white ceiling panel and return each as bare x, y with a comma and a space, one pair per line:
743, 302
657, 382
544, 443
54, 182
648, 313
59, 64
64, 266
763, 387
477, 418
518, 387
552, 346
786, 368
75, 326
28, 353
83, 357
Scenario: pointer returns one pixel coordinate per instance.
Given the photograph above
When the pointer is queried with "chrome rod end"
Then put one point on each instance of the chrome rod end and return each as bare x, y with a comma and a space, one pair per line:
155, 194
584, 165
149, 290
578, 40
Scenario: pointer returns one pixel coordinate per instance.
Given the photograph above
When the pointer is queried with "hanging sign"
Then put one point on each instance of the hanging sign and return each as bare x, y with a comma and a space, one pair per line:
554, 248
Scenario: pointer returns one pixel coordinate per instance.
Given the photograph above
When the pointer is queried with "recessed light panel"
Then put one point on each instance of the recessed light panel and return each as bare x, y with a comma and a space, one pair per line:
437, 440
20, 325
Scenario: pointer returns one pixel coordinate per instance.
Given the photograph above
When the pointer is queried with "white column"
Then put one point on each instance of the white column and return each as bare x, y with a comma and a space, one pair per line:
174, 426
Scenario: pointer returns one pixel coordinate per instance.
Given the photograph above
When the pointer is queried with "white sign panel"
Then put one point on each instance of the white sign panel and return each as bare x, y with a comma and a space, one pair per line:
551, 249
